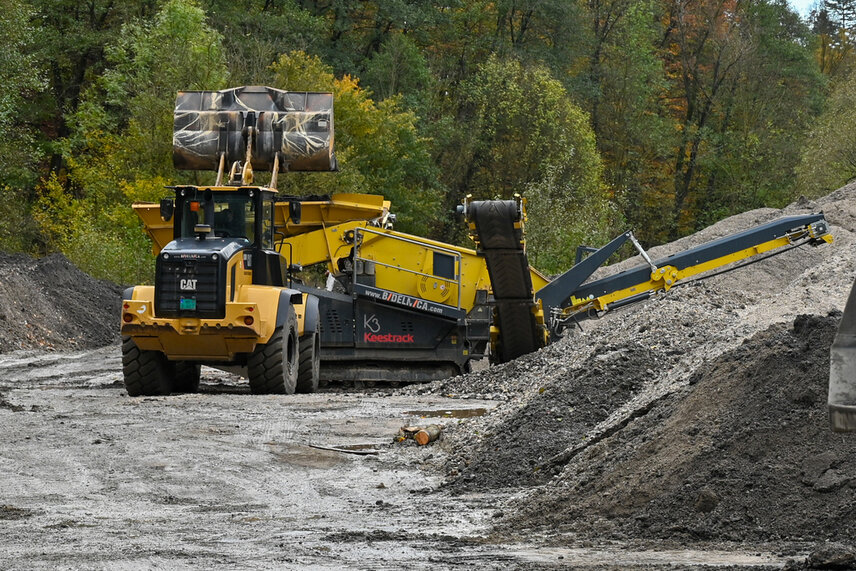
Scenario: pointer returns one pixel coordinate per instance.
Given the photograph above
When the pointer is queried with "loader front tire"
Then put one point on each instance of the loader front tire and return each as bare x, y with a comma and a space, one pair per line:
146, 373
309, 367
185, 377
272, 368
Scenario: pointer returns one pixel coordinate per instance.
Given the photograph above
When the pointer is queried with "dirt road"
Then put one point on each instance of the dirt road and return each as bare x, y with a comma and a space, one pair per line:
93, 478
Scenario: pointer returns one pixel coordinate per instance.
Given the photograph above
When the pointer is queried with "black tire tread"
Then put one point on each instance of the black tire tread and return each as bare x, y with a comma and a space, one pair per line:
267, 368
308, 369
185, 377
146, 373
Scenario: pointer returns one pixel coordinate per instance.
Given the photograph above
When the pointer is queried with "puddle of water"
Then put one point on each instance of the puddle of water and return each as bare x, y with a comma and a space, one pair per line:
453, 413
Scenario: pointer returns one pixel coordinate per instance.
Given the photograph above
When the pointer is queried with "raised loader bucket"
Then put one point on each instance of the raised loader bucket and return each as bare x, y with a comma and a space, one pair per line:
842, 371
296, 125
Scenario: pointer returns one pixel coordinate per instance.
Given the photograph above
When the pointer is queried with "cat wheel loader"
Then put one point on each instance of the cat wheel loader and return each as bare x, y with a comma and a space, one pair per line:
395, 307
222, 294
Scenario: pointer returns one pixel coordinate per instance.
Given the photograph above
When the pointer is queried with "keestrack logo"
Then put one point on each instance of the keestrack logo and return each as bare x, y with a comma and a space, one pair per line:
387, 338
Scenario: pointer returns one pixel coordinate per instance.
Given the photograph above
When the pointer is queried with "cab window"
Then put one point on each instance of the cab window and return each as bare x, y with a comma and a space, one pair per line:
229, 215
267, 225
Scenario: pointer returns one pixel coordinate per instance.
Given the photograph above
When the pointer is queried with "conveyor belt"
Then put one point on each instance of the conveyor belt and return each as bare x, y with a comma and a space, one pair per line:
499, 237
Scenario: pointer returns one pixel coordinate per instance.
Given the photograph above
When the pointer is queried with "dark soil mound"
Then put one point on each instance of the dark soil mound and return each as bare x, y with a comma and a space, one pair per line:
50, 304
564, 409
743, 453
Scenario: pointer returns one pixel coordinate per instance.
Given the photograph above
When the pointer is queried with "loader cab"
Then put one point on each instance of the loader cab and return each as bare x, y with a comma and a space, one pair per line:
241, 213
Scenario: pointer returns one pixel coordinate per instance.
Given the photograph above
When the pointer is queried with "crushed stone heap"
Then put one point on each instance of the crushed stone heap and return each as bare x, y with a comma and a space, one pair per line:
743, 452
49, 304
697, 414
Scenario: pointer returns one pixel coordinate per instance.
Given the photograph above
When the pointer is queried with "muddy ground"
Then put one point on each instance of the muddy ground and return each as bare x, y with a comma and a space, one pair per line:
225, 479
684, 432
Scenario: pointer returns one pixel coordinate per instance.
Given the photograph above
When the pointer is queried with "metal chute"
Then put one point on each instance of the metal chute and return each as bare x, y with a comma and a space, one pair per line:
842, 371
286, 130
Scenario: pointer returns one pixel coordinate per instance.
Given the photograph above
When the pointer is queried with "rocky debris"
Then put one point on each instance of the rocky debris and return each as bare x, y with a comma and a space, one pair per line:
561, 411
741, 454
49, 304
831, 556
699, 414
12, 513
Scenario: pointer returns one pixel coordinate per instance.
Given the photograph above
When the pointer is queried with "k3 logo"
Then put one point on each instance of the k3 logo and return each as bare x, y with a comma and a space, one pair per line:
187, 285
371, 323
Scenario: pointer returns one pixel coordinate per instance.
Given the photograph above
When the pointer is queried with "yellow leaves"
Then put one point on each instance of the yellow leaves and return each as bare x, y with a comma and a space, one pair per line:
55, 212
298, 71
144, 189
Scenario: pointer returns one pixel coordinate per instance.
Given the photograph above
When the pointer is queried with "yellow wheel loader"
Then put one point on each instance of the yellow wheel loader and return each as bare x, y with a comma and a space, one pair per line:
395, 307
222, 294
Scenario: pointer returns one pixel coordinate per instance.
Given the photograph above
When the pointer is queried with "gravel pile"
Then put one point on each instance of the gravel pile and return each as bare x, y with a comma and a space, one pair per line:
580, 412
50, 304
743, 453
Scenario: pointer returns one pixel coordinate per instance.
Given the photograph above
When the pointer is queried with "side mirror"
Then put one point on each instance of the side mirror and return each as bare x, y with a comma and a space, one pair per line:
167, 208
294, 211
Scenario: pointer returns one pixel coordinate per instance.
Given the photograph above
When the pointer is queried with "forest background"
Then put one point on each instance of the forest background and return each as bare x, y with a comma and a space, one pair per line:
659, 115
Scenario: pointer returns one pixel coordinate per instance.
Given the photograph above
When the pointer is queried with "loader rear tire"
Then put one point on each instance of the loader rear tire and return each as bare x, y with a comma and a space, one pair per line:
309, 368
185, 377
146, 373
272, 368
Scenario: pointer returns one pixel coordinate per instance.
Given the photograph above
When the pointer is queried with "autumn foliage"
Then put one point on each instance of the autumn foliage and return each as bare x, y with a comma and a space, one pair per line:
658, 115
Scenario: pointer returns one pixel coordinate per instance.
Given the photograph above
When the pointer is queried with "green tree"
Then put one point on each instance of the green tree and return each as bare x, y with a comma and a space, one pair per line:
842, 12
399, 68
356, 29
829, 158
21, 78
256, 32
705, 49
834, 50
71, 42
759, 129
378, 146
635, 134
698, 108
119, 150
149, 63
520, 132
